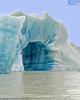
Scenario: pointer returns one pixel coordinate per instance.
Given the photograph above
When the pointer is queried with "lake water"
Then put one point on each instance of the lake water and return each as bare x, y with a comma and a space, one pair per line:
46, 85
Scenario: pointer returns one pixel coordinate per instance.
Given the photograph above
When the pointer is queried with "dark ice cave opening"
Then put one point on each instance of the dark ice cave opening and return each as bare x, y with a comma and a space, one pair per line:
35, 57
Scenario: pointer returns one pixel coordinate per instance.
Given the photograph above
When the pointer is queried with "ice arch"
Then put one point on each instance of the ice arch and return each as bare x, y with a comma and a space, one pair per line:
41, 32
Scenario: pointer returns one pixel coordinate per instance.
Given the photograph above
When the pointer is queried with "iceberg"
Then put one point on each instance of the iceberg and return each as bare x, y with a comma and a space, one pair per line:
35, 43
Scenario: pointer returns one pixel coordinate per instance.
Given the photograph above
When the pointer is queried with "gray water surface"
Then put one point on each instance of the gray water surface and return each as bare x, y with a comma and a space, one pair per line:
44, 85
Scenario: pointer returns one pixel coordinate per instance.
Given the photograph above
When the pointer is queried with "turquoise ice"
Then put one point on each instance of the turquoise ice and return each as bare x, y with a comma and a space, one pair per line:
39, 33
35, 43
62, 55
10, 30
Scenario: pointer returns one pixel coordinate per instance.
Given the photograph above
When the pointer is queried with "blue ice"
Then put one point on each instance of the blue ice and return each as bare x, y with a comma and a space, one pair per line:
10, 30
35, 43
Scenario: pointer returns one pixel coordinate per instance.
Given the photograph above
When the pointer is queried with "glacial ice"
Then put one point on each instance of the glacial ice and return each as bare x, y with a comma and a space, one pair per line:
37, 31
10, 30
33, 42
35, 57
43, 28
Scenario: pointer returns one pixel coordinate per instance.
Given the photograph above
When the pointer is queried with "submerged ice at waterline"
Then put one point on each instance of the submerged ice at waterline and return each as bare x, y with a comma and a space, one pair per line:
35, 43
